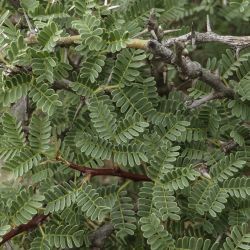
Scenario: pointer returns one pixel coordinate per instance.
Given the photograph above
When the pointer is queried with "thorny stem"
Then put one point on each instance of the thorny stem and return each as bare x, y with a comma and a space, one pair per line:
33, 223
104, 171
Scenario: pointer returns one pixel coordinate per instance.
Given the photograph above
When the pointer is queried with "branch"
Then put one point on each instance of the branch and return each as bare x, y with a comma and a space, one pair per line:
69, 40
190, 68
33, 223
205, 99
233, 41
239, 42
104, 171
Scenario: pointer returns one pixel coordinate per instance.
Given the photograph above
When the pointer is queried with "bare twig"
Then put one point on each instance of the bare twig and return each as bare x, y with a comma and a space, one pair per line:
104, 171
191, 69
33, 223
233, 41
205, 99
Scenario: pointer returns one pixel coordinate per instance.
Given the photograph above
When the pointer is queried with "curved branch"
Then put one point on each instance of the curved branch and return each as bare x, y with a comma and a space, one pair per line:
33, 223
108, 172
205, 99
103, 171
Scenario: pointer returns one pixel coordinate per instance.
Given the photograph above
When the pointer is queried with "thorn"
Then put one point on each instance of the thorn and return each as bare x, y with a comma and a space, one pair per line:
237, 52
192, 35
153, 34
28, 22
208, 24
164, 77
170, 31
113, 7
225, 2
204, 171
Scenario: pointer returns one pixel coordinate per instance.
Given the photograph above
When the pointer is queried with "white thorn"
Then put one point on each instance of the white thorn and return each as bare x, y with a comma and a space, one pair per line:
113, 7
153, 34
208, 24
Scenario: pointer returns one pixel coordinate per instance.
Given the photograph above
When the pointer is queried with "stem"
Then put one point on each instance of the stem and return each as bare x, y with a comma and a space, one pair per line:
104, 171
32, 224
68, 40
107, 87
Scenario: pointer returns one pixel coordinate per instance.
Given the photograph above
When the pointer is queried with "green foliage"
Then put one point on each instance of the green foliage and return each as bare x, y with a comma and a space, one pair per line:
164, 201
130, 128
97, 136
90, 31
20, 164
230, 65
15, 88
239, 238
25, 206
125, 69
45, 98
154, 232
131, 100
190, 243
39, 133
227, 167
92, 204
60, 197
238, 187
64, 236
123, 215
17, 51
49, 36
12, 139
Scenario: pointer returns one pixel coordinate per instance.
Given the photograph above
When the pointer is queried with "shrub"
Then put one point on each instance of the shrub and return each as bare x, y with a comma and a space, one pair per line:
113, 134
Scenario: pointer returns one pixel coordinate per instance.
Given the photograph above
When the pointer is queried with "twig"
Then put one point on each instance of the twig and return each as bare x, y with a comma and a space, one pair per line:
191, 69
234, 41
33, 223
145, 31
104, 171
205, 99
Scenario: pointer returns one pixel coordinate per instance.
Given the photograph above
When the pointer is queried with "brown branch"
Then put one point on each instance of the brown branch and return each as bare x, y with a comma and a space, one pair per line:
107, 172
33, 223
103, 171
